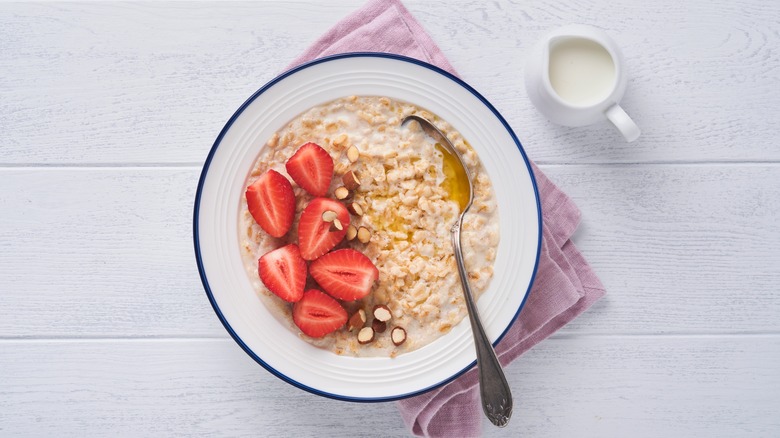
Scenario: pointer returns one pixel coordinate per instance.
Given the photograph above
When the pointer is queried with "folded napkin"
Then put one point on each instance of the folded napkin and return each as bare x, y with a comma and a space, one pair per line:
565, 284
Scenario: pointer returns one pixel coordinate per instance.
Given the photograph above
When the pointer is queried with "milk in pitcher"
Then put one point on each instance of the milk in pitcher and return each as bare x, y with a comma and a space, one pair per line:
581, 71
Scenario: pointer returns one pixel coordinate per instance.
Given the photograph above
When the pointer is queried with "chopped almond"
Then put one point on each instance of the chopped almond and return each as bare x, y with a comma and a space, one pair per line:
363, 235
336, 225
350, 180
378, 326
341, 193
353, 154
398, 336
355, 209
382, 313
365, 335
351, 232
357, 321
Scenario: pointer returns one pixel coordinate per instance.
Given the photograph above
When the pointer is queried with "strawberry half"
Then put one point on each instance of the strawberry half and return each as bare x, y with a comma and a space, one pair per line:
345, 274
318, 314
283, 272
314, 235
271, 203
312, 168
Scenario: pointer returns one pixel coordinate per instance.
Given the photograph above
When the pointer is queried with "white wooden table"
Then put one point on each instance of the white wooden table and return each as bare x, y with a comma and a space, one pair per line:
107, 111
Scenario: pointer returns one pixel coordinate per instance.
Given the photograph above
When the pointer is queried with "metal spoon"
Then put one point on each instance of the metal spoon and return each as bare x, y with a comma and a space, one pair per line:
493, 387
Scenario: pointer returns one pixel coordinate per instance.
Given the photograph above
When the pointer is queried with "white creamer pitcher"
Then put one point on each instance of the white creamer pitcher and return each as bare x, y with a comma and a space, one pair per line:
575, 76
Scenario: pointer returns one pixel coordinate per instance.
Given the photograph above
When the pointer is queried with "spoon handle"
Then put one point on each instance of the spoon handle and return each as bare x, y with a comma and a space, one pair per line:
493, 387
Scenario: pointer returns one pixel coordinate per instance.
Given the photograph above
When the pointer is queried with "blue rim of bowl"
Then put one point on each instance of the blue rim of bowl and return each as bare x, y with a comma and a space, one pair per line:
205, 170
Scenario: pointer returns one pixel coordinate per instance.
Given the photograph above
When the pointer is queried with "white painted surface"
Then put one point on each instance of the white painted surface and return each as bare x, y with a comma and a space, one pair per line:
107, 111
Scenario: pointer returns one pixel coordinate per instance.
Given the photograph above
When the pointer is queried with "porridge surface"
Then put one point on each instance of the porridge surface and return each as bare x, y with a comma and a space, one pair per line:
406, 207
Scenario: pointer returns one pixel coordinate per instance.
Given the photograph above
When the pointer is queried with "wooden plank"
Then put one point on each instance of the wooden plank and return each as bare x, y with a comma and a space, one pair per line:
591, 387
688, 89
108, 252
155, 82
100, 252
140, 82
681, 248
686, 342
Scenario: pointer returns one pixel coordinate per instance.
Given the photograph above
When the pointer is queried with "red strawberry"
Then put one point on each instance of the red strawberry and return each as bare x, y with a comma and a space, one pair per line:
312, 168
345, 274
271, 202
317, 314
314, 235
283, 272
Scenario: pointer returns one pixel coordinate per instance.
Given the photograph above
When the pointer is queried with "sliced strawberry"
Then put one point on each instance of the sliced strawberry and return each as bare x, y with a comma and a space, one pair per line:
318, 314
345, 274
283, 272
312, 168
271, 202
314, 235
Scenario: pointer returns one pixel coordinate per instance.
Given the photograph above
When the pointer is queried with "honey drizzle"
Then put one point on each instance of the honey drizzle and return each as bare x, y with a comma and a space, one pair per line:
456, 181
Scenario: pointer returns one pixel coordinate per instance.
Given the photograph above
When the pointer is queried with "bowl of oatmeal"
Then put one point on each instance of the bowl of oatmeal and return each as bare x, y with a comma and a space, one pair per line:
370, 308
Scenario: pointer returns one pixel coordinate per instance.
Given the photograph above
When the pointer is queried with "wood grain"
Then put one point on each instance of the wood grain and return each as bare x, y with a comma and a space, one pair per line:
680, 248
638, 386
108, 252
100, 252
107, 111
155, 82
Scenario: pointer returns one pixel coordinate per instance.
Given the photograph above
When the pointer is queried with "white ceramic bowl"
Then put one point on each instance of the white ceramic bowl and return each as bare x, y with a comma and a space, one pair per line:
221, 186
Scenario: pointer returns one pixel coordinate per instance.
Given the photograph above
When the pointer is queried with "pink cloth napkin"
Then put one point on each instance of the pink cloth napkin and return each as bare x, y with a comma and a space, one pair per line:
565, 284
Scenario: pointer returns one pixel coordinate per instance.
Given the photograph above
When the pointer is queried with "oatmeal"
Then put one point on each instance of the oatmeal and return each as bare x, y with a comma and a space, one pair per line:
401, 210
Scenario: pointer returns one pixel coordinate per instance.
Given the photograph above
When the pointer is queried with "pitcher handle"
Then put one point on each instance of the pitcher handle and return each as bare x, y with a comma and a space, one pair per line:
623, 122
